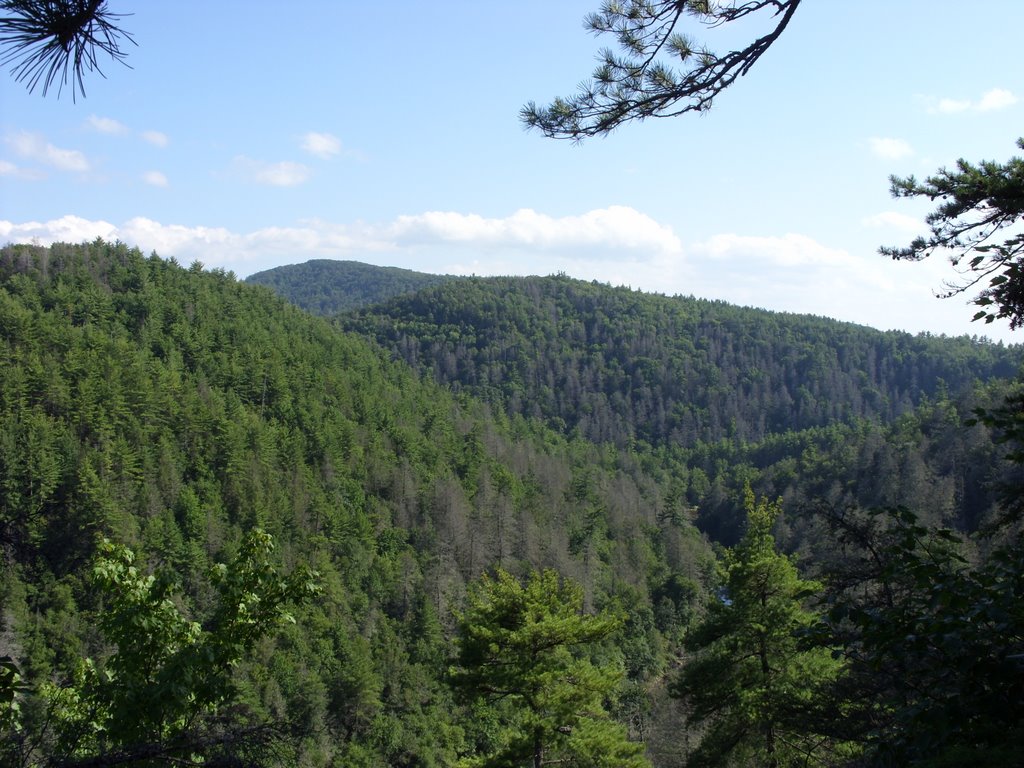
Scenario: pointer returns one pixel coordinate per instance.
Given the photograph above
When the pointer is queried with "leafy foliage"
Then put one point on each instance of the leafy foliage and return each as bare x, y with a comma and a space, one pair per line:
933, 643
156, 696
175, 409
12, 689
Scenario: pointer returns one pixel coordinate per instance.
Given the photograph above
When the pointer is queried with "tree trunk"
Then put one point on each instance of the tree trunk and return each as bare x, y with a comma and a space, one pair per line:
769, 731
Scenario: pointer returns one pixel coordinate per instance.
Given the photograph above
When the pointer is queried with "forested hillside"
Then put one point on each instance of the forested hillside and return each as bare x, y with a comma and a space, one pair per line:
326, 287
715, 396
235, 534
172, 410
619, 365
345, 516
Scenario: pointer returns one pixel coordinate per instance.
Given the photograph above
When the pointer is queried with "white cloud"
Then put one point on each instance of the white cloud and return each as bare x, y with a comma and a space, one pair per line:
613, 228
155, 178
997, 98
790, 250
186, 243
13, 171
952, 106
113, 127
524, 238
322, 145
156, 138
70, 229
795, 273
282, 174
35, 147
106, 125
890, 149
618, 245
893, 220
990, 101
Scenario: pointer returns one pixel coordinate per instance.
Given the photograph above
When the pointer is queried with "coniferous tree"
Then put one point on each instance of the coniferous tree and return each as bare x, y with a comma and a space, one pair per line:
662, 72
750, 682
521, 662
979, 203
58, 41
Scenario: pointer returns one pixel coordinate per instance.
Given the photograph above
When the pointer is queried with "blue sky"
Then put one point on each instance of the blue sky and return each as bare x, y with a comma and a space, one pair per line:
253, 134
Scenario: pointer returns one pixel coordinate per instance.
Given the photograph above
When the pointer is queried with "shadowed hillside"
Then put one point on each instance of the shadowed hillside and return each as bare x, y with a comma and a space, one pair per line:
618, 365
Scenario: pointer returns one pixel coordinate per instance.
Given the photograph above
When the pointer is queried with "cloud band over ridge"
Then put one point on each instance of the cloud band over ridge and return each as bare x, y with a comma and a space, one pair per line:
617, 245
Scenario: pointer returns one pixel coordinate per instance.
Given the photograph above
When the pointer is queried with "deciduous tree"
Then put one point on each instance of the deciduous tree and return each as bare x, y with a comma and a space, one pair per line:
161, 697
933, 644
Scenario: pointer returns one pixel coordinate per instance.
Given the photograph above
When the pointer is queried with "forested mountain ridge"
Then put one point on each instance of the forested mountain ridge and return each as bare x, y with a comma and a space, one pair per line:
161, 428
714, 396
326, 287
173, 409
619, 365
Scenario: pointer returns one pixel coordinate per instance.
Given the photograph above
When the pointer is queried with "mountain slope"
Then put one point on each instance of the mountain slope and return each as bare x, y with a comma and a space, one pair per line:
326, 287
172, 410
714, 396
619, 365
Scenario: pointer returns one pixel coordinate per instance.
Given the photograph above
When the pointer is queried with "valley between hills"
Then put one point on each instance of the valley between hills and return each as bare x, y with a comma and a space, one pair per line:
345, 515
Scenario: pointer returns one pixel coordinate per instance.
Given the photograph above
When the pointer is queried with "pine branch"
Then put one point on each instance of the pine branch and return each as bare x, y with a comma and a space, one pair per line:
58, 41
639, 84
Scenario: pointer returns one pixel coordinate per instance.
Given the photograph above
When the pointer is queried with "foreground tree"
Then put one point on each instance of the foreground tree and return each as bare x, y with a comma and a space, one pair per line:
521, 662
976, 222
162, 698
751, 682
661, 72
933, 644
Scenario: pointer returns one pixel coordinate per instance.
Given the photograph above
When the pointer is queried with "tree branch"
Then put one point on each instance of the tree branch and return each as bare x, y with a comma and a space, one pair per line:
639, 85
56, 41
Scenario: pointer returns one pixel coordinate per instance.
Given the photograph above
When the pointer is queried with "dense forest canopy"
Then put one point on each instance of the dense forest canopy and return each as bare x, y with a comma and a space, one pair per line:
173, 409
178, 447
717, 395
509, 521
327, 287
710, 395
620, 365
